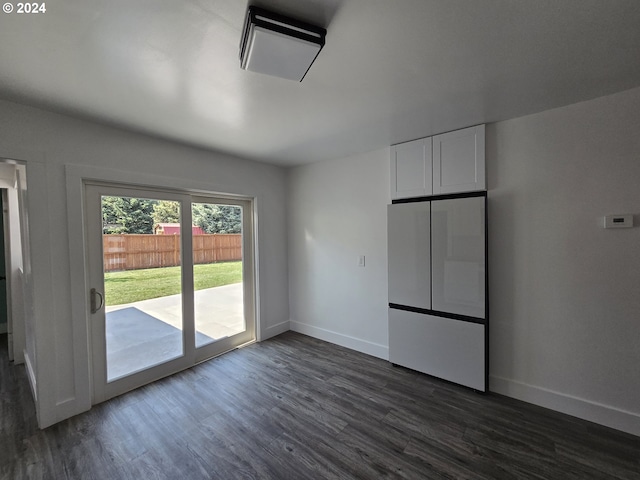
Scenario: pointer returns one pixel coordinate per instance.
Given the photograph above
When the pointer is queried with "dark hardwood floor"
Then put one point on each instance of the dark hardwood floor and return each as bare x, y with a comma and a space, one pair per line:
294, 407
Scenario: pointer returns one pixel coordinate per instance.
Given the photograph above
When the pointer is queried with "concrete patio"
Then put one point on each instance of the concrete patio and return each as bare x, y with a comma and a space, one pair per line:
142, 334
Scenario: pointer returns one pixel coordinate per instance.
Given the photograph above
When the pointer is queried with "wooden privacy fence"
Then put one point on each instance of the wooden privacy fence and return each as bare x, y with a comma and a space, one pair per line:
133, 252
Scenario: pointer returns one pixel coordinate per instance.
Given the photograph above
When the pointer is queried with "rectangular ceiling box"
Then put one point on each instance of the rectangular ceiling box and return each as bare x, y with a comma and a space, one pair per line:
280, 46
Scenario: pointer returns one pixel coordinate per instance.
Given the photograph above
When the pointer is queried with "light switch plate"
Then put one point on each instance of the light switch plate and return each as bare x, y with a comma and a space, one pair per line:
361, 261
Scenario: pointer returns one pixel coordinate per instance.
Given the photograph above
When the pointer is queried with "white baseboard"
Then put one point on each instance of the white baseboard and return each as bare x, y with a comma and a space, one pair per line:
274, 330
373, 349
577, 407
31, 375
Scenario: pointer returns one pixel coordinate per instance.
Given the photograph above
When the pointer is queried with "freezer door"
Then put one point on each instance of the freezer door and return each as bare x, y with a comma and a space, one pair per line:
442, 347
458, 256
408, 226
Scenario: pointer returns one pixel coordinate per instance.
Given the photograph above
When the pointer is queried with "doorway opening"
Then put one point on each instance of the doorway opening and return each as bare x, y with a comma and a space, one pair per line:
14, 263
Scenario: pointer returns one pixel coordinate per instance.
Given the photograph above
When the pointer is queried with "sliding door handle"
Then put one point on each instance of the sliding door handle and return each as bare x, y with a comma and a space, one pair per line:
95, 307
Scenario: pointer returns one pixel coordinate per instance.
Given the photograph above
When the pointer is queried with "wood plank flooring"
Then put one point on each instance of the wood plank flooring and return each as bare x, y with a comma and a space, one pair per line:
294, 407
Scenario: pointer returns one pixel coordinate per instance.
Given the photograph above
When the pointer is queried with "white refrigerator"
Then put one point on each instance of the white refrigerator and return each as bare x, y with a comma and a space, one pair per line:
438, 307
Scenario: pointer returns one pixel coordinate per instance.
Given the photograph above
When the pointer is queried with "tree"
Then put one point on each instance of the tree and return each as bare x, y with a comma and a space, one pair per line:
230, 219
127, 215
139, 215
166, 211
217, 218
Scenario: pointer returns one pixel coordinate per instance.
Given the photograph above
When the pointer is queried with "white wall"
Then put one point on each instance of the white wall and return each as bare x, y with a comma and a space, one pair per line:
47, 142
337, 212
564, 293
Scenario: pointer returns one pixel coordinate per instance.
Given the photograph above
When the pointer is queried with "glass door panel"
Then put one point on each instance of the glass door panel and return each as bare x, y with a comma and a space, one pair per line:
142, 284
217, 271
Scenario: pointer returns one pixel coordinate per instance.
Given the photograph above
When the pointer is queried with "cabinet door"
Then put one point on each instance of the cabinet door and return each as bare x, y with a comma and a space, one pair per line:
411, 169
409, 253
442, 347
458, 256
458, 161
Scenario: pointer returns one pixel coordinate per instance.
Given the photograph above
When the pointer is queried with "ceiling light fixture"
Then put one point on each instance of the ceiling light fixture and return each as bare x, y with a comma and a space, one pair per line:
277, 45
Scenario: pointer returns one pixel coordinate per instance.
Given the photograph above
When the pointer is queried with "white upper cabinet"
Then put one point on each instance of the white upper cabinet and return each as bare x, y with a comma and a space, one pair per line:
458, 161
449, 163
411, 169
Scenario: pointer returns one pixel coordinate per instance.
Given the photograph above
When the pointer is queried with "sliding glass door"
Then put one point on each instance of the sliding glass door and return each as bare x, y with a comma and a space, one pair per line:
171, 282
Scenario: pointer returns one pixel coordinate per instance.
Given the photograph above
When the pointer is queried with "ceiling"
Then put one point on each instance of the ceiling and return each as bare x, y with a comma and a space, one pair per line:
391, 70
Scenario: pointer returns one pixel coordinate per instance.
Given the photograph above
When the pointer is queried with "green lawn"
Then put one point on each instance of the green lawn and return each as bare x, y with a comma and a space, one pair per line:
135, 285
